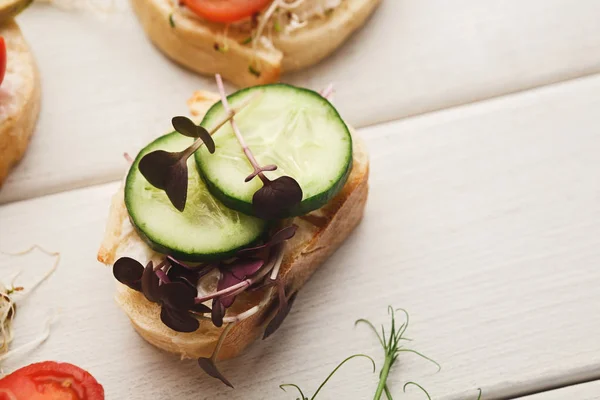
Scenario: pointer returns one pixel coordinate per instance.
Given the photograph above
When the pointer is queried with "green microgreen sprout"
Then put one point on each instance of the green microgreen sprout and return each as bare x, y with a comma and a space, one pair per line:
247, 40
303, 397
417, 385
171, 20
392, 347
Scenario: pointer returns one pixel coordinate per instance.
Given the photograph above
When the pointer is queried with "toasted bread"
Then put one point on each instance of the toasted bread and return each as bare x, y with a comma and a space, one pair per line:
319, 234
19, 98
191, 42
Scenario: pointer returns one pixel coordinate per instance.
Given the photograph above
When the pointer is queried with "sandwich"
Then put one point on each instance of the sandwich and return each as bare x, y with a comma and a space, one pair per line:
19, 89
217, 226
250, 42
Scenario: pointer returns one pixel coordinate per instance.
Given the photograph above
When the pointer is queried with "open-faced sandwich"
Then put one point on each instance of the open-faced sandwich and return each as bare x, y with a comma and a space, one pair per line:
250, 42
218, 226
19, 89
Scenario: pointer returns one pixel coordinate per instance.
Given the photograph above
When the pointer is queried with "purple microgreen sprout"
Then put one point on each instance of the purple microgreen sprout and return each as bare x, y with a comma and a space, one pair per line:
231, 290
392, 347
162, 276
327, 92
228, 279
285, 306
233, 276
173, 285
278, 237
200, 267
150, 283
274, 263
175, 294
218, 309
129, 272
303, 397
168, 170
178, 272
128, 158
242, 268
200, 309
277, 197
239, 287
209, 365
217, 312
177, 299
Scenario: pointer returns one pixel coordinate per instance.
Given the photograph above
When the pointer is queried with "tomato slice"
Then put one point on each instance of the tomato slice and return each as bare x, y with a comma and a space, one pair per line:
2, 59
226, 10
50, 380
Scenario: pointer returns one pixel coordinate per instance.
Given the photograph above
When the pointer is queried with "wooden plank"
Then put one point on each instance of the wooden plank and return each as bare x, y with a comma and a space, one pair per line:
108, 90
585, 391
483, 222
105, 91
417, 56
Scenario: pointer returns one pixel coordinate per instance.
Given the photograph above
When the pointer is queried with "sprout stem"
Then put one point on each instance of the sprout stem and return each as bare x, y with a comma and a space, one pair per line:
217, 349
162, 276
54, 254
338, 367
277, 265
385, 371
227, 291
41, 339
387, 392
161, 265
237, 132
228, 117
327, 92
243, 285
182, 263
242, 316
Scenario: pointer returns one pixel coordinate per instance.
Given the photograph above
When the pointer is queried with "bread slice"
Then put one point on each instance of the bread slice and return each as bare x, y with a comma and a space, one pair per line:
19, 98
190, 41
319, 234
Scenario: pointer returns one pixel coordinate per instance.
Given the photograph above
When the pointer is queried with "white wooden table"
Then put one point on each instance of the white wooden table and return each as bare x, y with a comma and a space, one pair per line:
483, 219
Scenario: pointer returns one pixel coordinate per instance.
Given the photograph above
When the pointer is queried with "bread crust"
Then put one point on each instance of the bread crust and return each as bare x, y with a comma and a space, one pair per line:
191, 42
319, 234
20, 97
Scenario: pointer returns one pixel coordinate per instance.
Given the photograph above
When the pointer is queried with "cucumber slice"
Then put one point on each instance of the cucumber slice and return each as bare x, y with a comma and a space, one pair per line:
296, 129
205, 231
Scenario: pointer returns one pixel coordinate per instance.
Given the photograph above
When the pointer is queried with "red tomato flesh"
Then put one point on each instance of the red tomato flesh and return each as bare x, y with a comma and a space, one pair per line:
2, 59
50, 381
226, 10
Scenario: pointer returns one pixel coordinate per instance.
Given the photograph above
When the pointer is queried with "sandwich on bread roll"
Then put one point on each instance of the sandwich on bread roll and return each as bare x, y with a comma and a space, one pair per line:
19, 91
250, 42
207, 281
